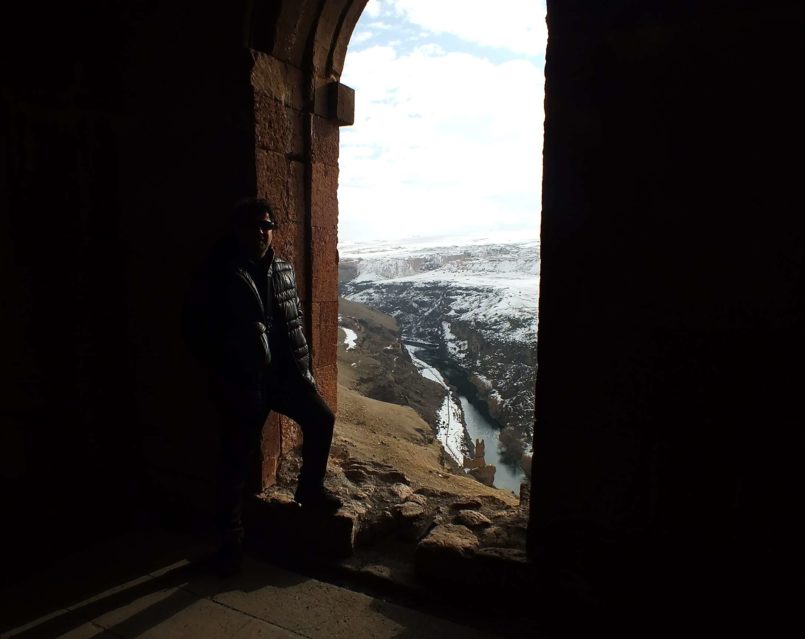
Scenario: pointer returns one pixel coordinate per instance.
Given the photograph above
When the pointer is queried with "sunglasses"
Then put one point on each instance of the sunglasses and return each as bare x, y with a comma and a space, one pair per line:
267, 225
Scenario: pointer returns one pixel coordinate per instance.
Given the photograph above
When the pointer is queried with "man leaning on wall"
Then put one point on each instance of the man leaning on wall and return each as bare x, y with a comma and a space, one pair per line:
243, 320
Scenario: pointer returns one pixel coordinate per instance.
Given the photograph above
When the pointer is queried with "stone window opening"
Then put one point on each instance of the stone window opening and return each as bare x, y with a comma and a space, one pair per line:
385, 506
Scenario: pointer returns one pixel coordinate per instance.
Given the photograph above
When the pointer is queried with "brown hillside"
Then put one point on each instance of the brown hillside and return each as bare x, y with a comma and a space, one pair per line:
372, 430
386, 409
380, 367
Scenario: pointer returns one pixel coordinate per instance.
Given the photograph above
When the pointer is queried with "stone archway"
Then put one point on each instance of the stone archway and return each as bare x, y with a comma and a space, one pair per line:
298, 52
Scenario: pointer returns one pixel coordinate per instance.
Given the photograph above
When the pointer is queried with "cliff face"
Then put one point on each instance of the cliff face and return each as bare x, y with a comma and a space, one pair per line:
503, 372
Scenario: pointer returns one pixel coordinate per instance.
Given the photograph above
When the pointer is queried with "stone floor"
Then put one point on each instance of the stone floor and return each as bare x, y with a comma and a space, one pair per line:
156, 584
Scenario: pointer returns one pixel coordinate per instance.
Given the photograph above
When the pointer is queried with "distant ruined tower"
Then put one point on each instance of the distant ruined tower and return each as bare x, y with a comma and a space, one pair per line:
477, 466
478, 460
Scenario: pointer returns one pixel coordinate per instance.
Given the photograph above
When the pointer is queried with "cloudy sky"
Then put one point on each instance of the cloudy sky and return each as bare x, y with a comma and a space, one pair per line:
448, 119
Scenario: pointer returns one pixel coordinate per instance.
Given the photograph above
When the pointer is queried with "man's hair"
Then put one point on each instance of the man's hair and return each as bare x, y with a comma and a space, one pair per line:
251, 208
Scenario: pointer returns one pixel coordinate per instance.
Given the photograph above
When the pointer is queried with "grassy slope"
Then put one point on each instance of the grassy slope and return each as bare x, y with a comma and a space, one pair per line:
375, 430
380, 367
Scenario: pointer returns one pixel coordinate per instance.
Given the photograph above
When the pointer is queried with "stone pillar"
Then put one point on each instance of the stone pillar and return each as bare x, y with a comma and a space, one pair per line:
324, 253
296, 158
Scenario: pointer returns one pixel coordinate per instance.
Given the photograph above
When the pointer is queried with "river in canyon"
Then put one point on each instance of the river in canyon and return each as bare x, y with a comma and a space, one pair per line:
478, 421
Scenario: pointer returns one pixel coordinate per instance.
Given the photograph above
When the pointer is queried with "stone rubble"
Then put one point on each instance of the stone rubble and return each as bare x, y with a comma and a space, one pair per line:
439, 534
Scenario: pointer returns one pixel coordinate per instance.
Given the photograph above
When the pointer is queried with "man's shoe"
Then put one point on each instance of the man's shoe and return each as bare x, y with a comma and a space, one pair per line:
320, 499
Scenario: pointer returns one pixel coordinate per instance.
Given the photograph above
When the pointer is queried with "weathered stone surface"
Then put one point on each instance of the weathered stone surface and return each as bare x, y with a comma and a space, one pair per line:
409, 510
324, 322
343, 104
472, 519
192, 616
449, 538
394, 476
341, 43
466, 504
271, 449
278, 128
326, 380
356, 475
493, 536
293, 30
325, 266
324, 196
418, 499
278, 80
402, 491
427, 491
327, 26
484, 474
324, 141
290, 243
296, 211
290, 432
272, 178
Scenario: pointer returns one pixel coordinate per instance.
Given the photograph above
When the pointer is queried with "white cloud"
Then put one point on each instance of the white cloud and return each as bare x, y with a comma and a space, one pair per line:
379, 24
363, 36
516, 25
442, 142
373, 8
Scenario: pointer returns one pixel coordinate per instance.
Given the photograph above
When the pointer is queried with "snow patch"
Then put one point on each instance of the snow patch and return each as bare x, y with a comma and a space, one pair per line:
450, 425
450, 430
426, 370
350, 339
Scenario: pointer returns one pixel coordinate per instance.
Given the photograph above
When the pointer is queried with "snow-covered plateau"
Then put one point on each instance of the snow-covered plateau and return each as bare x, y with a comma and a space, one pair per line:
473, 299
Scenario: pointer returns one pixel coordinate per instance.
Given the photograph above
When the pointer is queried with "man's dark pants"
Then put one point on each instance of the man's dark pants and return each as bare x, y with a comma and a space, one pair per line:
244, 406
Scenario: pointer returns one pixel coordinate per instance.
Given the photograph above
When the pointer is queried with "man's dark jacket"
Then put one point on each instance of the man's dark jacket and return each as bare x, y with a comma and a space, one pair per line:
227, 325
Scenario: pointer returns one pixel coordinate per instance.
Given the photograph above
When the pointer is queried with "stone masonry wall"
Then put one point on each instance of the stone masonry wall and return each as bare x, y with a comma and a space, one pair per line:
297, 119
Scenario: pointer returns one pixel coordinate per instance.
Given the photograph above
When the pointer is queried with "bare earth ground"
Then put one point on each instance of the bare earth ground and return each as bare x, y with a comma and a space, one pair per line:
379, 365
371, 430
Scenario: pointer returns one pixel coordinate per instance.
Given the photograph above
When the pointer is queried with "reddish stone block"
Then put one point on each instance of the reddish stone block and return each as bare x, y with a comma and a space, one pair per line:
327, 382
268, 471
271, 449
324, 196
325, 342
279, 80
272, 177
325, 284
278, 128
297, 201
326, 28
324, 141
272, 126
324, 262
344, 35
335, 102
324, 313
342, 101
291, 434
302, 286
293, 28
289, 244
327, 353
